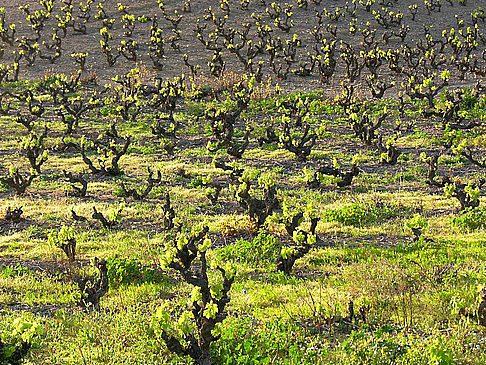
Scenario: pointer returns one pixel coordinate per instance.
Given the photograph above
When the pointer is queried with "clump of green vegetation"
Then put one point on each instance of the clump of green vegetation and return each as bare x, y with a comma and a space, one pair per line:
471, 219
363, 213
250, 343
263, 249
363, 347
124, 271
22, 336
12, 271
389, 344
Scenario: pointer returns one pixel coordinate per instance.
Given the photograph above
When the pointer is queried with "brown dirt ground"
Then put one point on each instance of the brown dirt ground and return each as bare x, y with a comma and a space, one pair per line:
304, 21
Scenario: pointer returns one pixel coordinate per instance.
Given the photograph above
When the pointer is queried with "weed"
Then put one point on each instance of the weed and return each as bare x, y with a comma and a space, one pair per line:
263, 249
364, 213
470, 219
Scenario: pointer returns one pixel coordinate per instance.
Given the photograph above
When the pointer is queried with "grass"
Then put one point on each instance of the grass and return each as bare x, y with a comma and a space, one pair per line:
406, 294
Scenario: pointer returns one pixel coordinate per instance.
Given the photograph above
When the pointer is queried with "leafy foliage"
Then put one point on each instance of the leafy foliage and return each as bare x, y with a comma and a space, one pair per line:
125, 271
263, 249
23, 334
364, 213
471, 219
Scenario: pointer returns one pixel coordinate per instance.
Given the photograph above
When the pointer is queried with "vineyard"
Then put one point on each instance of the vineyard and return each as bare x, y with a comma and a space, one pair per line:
242, 182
